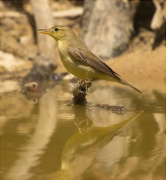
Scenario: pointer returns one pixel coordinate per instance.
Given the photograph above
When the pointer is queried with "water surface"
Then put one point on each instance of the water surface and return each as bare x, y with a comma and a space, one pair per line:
43, 138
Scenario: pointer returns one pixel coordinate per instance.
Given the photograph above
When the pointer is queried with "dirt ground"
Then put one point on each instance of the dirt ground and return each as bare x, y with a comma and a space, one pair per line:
142, 66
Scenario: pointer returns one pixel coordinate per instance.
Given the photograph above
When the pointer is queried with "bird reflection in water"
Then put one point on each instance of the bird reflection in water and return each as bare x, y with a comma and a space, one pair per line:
82, 148
81, 120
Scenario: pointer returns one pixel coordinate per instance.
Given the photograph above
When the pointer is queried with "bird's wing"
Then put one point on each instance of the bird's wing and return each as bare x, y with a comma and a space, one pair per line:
92, 60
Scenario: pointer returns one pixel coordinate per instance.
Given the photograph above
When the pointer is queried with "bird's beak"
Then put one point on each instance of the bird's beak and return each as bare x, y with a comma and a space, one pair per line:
44, 31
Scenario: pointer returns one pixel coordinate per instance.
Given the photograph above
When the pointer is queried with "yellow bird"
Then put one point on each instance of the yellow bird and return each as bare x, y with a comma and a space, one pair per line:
78, 59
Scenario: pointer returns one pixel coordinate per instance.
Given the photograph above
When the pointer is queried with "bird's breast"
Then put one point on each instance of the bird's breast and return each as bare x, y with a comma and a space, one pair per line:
66, 59
76, 67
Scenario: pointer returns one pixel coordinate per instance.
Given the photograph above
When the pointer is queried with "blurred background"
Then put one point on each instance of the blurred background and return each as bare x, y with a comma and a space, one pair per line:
42, 137
129, 35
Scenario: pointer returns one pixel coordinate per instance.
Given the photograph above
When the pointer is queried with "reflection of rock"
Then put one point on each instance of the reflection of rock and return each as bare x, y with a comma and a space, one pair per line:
14, 105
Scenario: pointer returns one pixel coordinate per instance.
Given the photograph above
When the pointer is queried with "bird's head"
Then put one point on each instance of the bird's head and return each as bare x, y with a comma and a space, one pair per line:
58, 32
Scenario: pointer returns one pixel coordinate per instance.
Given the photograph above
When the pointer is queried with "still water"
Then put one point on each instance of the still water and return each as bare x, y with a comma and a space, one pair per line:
42, 138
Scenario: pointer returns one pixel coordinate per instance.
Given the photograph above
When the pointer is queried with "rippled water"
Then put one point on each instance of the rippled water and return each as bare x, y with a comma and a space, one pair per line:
43, 138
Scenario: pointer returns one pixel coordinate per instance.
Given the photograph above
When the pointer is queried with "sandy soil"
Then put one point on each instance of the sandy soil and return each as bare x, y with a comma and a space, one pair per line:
144, 67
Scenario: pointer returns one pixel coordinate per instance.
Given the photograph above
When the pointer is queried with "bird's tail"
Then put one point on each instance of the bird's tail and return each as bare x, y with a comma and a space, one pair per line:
126, 83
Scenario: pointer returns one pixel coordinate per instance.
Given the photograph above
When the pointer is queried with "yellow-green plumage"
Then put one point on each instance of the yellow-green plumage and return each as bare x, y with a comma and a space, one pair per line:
78, 59
77, 68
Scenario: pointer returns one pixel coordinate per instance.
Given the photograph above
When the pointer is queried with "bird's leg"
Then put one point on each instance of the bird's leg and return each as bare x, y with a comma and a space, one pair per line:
84, 85
88, 83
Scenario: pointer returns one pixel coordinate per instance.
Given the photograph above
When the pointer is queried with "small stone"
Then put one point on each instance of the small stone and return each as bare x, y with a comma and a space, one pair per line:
25, 40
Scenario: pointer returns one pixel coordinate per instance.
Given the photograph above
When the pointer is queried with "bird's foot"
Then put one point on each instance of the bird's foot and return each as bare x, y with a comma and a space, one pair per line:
85, 84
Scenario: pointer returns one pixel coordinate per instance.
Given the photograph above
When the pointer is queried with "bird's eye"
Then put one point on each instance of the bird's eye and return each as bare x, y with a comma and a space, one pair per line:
56, 29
